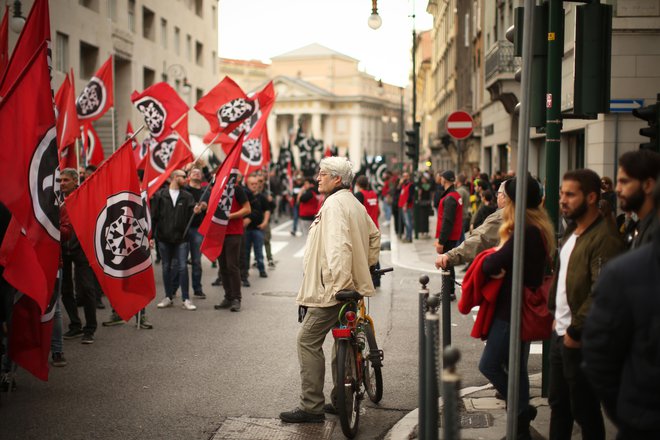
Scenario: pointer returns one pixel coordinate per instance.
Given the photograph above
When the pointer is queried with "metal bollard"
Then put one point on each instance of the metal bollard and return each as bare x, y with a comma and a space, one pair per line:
447, 282
423, 295
431, 357
451, 382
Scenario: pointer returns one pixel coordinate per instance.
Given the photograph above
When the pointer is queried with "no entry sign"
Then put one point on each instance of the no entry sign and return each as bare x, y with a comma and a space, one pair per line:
459, 125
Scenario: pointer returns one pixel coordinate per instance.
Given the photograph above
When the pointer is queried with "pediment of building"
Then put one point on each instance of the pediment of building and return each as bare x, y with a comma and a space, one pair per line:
287, 87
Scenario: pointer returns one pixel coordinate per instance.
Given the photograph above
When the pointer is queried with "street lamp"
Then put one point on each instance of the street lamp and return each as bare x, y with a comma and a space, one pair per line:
17, 20
374, 21
178, 72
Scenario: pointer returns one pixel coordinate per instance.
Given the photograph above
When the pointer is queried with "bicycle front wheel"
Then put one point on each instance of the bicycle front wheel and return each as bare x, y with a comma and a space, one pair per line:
372, 375
348, 402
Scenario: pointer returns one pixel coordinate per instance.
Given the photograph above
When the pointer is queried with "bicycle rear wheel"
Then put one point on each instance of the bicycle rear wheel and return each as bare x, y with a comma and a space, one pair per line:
348, 402
372, 375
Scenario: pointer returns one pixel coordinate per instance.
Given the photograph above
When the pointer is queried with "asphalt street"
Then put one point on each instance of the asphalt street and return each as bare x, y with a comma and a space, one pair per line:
210, 374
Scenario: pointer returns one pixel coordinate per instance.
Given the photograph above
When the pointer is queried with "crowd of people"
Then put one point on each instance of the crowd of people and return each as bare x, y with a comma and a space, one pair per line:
604, 344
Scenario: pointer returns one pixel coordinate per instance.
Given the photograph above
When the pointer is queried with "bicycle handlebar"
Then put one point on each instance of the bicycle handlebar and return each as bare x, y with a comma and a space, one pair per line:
382, 271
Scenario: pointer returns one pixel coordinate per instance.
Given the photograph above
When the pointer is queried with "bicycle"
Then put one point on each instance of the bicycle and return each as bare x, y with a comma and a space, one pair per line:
359, 360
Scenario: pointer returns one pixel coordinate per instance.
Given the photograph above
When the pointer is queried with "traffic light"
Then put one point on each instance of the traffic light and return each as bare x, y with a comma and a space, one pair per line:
651, 114
412, 142
593, 59
539, 69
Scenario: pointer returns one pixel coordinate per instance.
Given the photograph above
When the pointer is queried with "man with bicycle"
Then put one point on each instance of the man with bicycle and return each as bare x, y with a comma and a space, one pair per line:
342, 244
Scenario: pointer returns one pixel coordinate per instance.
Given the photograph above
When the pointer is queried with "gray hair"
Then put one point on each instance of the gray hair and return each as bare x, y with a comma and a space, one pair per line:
338, 167
71, 172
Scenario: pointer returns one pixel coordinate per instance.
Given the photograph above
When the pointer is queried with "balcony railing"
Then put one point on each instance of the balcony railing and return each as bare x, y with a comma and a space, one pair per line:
500, 59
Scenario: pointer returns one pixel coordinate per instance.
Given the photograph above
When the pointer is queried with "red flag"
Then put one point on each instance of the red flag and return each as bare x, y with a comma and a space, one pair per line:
4, 41
68, 127
264, 101
97, 96
112, 224
166, 156
30, 335
161, 107
92, 145
28, 162
327, 152
215, 222
225, 107
35, 32
68, 157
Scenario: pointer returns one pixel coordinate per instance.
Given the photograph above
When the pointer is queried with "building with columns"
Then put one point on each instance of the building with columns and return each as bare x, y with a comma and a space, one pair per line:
325, 93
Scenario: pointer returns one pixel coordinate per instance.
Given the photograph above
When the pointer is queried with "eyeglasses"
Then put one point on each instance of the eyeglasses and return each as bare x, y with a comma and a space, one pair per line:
323, 174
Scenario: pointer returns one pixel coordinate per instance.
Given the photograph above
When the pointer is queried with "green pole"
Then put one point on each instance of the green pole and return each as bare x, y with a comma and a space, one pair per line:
553, 133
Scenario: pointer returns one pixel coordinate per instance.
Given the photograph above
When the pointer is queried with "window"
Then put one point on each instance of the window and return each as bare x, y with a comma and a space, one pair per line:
112, 9
199, 8
89, 56
214, 62
199, 53
199, 94
188, 47
163, 32
90, 4
131, 15
148, 18
177, 40
148, 77
61, 52
214, 17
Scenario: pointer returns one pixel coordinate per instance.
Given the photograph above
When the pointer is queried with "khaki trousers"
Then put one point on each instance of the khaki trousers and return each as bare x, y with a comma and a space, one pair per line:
316, 325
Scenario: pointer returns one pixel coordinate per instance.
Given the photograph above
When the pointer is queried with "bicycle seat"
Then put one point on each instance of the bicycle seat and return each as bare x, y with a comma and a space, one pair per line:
348, 295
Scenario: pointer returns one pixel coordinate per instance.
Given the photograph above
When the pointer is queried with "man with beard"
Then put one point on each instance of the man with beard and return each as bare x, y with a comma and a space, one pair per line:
636, 178
586, 246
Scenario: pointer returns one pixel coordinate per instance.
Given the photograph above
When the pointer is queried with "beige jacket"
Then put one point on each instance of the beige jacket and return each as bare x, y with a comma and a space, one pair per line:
342, 244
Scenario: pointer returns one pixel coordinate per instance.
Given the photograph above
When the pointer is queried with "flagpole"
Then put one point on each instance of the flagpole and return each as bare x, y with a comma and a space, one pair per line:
187, 145
131, 137
112, 113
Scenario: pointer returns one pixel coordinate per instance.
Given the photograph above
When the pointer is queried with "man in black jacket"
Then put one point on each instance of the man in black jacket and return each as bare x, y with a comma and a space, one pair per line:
171, 208
621, 340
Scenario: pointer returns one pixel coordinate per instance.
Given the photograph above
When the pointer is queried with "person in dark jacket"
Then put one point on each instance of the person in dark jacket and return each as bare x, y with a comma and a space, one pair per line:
638, 171
621, 340
450, 221
171, 209
488, 206
588, 243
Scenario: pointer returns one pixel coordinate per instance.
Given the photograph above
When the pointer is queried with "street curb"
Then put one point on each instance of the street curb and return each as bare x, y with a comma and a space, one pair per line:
405, 427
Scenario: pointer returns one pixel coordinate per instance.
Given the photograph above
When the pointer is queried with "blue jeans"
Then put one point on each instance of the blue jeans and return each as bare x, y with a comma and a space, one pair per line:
195, 243
408, 223
56, 344
387, 209
495, 362
255, 238
171, 254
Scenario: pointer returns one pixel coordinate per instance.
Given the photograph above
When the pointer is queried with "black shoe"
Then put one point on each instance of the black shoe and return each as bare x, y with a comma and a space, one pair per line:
72, 334
217, 282
300, 416
246, 283
263, 274
294, 234
199, 295
329, 408
235, 306
144, 324
115, 319
87, 339
225, 304
271, 264
100, 305
58, 360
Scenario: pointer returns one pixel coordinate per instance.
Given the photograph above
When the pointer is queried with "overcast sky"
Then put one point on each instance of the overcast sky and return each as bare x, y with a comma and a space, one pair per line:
261, 29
